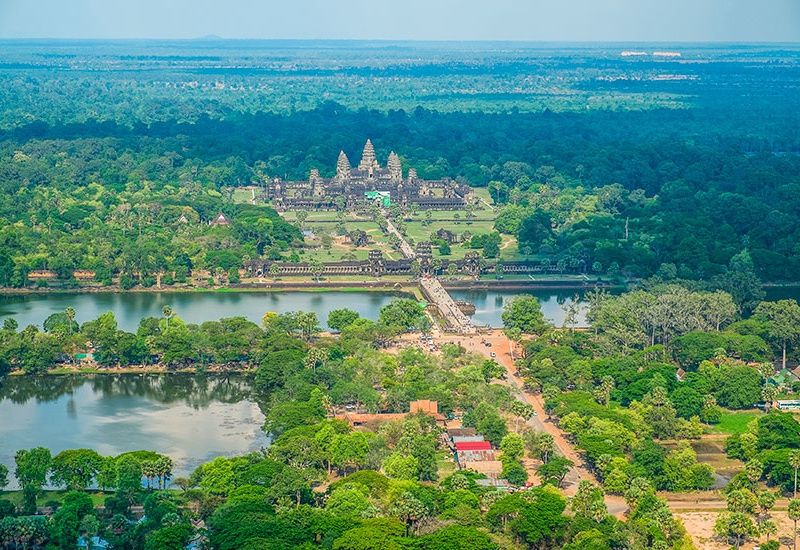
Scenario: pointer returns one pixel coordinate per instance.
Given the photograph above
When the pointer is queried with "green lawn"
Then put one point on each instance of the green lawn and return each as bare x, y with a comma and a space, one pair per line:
341, 249
735, 422
322, 216
416, 230
483, 194
244, 195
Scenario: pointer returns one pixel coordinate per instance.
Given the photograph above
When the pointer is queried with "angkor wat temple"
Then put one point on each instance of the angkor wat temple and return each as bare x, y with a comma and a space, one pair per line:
368, 183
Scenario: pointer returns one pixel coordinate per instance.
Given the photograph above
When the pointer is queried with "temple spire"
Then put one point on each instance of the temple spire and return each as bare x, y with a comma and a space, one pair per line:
395, 167
368, 161
342, 167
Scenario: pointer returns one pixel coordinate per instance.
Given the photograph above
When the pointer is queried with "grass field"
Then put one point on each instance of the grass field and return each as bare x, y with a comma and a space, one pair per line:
418, 229
341, 249
244, 195
735, 422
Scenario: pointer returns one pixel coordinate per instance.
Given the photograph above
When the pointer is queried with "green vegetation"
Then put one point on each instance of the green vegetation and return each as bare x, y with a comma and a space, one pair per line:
734, 422
616, 393
121, 175
686, 188
321, 481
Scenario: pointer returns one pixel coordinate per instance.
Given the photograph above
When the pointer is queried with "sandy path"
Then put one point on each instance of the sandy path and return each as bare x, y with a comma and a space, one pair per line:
502, 346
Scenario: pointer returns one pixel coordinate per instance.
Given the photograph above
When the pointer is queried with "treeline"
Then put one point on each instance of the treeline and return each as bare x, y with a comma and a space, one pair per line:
631, 176
322, 483
137, 237
619, 192
169, 341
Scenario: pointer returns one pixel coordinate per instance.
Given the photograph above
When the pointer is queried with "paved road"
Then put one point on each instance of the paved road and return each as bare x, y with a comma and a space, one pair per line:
405, 248
433, 289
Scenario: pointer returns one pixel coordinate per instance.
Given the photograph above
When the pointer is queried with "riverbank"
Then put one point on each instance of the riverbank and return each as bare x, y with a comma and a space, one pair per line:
350, 284
248, 285
94, 369
395, 284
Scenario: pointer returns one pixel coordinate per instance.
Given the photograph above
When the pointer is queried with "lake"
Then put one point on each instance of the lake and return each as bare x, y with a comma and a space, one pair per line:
196, 307
190, 418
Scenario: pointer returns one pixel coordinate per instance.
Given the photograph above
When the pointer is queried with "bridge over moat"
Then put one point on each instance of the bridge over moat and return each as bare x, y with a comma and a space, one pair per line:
432, 289
456, 321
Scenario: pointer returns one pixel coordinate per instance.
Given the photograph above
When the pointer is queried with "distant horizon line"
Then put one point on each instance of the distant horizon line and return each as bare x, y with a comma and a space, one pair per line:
216, 38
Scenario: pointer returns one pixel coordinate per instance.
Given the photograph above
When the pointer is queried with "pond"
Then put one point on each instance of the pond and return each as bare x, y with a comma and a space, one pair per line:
190, 418
196, 307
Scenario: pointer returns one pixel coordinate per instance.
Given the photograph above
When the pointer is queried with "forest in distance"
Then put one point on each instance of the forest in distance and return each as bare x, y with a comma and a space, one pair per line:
630, 190
665, 423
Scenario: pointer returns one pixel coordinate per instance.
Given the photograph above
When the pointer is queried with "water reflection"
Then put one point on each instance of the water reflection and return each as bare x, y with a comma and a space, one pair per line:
489, 304
194, 307
191, 418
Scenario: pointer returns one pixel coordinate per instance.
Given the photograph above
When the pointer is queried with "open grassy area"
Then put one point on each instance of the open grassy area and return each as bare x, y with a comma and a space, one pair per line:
418, 228
340, 248
244, 195
735, 422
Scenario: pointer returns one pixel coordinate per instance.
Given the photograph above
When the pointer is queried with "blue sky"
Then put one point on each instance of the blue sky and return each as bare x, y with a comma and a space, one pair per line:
538, 20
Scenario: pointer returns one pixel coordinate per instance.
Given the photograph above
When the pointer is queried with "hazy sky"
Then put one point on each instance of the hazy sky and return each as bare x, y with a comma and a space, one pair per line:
549, 20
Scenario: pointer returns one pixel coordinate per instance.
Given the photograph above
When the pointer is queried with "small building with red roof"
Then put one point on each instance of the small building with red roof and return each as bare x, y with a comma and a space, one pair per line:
473, 446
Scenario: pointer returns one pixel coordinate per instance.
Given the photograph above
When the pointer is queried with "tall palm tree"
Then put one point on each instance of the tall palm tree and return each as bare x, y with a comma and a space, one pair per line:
794, 515
794, 462
70, 313
167, 312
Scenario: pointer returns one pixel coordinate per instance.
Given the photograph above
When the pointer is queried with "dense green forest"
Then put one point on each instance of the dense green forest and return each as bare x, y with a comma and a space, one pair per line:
680, 173
660, 370
322, 483
100, 153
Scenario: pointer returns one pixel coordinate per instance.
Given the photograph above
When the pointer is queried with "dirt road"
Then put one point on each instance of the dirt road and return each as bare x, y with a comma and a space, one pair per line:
503, 349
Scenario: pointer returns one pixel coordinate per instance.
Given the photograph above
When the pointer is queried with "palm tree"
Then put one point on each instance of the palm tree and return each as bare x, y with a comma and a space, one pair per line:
70, 313
794, 462
167, 312
163, 470
150, 471
794, 515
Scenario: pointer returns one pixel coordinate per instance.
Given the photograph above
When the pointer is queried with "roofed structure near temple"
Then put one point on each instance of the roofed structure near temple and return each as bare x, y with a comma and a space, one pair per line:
366, 184
220, 220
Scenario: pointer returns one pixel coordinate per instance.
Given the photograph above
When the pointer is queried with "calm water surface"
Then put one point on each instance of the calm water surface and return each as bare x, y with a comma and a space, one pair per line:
196, 307
193, 307
190, 418
489, 304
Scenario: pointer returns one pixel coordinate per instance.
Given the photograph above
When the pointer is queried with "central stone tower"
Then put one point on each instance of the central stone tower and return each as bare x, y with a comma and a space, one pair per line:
368, 161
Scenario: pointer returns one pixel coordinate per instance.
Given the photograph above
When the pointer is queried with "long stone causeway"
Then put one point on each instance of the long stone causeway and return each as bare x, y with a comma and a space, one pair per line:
434, 292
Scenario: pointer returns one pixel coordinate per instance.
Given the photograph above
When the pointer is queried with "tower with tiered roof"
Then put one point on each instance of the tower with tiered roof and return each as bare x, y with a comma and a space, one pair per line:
368, 162
342, 167
395, 167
